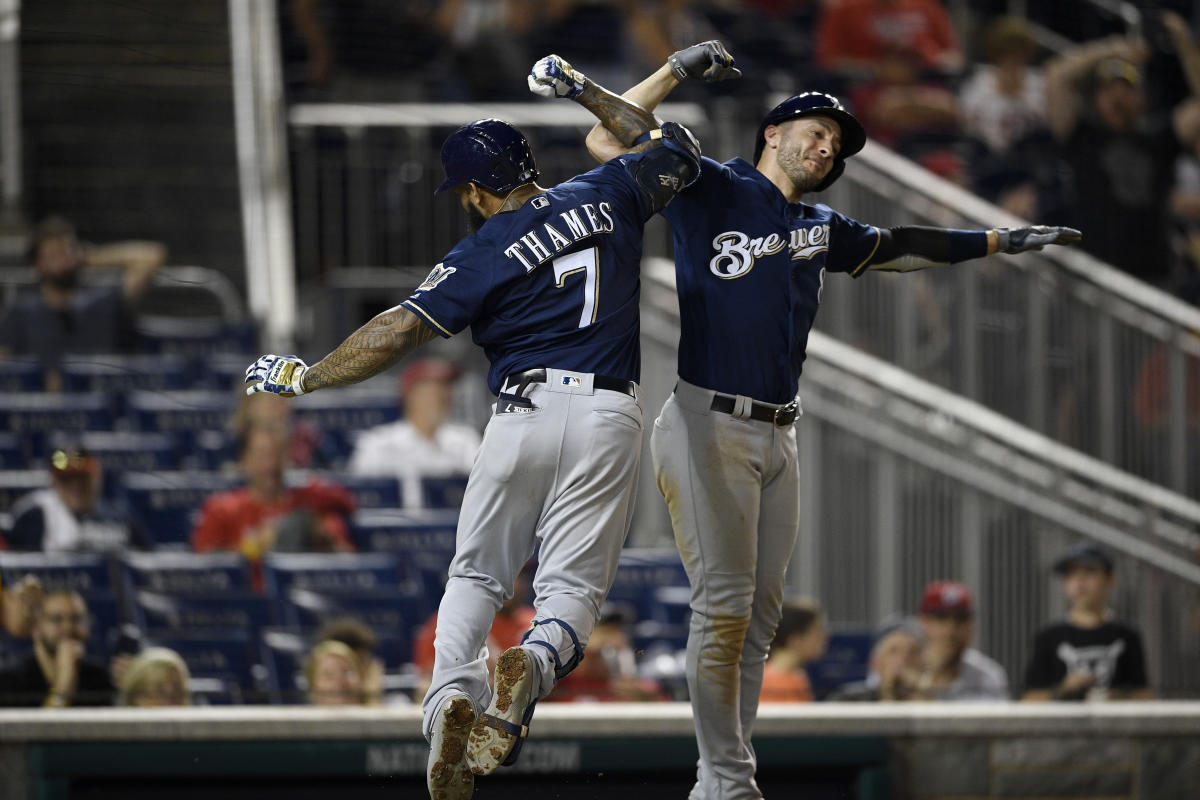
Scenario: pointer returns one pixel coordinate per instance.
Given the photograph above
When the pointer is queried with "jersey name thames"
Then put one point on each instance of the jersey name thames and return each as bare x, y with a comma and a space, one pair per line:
736, 251
578, 223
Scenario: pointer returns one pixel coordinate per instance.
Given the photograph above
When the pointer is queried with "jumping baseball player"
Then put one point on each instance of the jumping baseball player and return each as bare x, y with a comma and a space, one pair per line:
549, 285
750, 259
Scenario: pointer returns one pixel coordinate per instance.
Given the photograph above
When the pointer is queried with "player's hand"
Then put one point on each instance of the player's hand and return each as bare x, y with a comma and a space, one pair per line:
709, 61
281, 375
1022, 240
552, 76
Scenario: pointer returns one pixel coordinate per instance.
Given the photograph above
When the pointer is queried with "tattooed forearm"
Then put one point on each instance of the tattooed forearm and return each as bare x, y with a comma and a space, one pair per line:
370, 350
626, 120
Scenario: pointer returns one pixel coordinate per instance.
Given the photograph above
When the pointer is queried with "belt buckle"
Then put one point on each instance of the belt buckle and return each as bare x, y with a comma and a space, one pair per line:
789, 411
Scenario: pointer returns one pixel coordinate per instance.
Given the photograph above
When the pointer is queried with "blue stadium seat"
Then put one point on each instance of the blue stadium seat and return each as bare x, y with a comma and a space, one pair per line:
227, 371
180, 413
86, 573
370, 491
330, 572
424, 540
845, 661
154, 611
199, 338
123, 451
393, 614
15, 484
642, 572
282, 654
15, 451
443, 492
21, 374
166, 503
125, 373
39, 415
226, 654
175, 573
340, 416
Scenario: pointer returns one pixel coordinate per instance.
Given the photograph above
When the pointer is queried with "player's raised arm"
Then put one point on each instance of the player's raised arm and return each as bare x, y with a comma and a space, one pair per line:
913, 247
370, 350
707, 61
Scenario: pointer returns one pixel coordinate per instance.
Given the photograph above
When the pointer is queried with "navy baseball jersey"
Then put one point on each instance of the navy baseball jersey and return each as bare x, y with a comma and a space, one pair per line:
553, 284
749, 268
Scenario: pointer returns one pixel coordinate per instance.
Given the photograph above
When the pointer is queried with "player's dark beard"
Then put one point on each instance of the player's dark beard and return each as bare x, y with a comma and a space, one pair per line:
475, 218
792, 162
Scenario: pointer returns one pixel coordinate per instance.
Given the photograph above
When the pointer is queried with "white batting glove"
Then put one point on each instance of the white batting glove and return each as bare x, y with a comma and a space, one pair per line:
282, 375
552, 76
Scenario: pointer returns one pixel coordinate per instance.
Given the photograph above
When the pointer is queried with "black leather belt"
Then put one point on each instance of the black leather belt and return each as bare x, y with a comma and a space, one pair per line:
780, 416
519, 381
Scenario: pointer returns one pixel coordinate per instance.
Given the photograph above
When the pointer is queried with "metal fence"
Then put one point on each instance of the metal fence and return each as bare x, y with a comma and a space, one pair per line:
1056, 340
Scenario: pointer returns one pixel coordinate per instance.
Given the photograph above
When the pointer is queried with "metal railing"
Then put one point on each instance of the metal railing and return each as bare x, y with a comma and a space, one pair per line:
1057, 340
903, 483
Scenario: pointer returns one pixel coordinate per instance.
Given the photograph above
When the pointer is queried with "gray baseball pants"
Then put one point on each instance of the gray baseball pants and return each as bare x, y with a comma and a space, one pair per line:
563, 474
731, 485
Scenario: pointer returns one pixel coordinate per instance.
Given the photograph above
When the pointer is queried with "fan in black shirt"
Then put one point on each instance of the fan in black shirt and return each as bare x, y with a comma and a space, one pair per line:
1088, 656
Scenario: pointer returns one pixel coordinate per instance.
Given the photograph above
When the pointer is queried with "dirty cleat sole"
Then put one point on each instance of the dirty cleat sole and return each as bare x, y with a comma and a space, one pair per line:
497, 737
449, 775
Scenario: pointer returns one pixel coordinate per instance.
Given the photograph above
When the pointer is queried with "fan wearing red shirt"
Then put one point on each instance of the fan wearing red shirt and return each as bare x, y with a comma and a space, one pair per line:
266, 515
853, 36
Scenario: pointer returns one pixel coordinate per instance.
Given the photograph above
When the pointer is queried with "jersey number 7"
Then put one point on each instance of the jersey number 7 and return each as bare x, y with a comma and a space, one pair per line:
584, 261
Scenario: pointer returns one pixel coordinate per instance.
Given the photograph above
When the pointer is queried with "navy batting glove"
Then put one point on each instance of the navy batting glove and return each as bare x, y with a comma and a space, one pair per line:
1022, 240
283, 375
552, 76
709, 61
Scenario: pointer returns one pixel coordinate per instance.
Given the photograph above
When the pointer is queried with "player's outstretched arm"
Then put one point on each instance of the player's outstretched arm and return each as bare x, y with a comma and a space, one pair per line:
370, 350
707, 61
626, 121
914, 247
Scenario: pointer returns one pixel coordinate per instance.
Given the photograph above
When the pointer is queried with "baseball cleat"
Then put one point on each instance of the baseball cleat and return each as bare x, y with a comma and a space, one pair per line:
450, 777
497, 737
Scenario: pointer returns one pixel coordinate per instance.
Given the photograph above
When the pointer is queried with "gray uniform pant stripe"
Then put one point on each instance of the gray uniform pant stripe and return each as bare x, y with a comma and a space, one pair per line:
562, 474
731, 486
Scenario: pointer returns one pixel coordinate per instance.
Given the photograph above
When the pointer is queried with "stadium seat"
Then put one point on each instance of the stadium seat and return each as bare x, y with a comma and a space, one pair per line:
424, 540
166, 503
225, 655
120, 374
370, 491
330, 572
845, 661
154, 611
190, 574
443, 492
123, 451
394, 615
21, 374
14, 451
198, 338
86, 573
340, 416
180, 413
640, 576
282, 654
14, 484
37, 416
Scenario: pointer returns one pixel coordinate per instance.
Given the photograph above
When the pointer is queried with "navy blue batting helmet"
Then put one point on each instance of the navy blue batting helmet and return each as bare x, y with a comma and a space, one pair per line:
488, 152
817, 104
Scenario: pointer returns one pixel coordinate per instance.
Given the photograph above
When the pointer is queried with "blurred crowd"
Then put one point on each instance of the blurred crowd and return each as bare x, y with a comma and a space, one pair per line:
1102, 134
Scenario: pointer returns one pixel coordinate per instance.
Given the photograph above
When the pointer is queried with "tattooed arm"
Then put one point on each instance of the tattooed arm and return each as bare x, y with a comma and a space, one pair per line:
625, 120
370, 350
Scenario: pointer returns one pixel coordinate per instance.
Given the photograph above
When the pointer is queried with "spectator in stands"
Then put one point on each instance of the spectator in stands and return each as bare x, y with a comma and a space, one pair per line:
1122, 157
952, 669
62, 317
335, 676
19, 605
362, 640
902, 109
1005, 100
853, 36
608, 672
274, 413
71, 514
156, 677
58, 673
423, 444
894, 668
1090, 655
266, 515
510, 624
799, 640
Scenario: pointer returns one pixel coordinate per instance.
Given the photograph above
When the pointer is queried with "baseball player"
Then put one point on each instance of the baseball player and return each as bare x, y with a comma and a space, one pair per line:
750, 260
548, 283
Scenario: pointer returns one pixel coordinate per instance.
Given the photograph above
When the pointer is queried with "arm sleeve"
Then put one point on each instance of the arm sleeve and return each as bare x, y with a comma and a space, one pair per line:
1131, 666
940, 245
852, 245
453, 295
